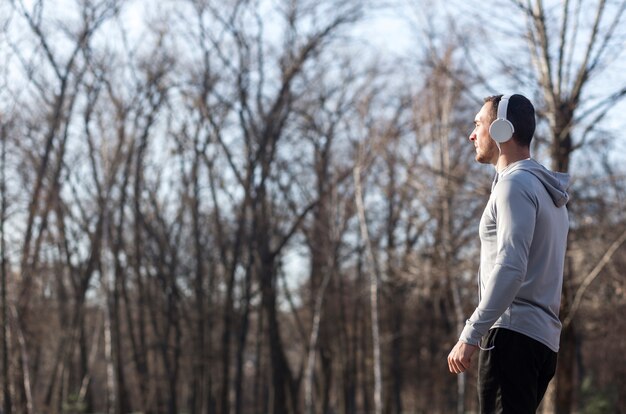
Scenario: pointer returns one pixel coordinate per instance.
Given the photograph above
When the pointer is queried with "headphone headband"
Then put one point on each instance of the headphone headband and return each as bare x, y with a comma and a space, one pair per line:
503, 106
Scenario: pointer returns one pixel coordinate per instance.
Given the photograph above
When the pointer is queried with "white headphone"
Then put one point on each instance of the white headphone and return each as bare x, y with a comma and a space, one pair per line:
501, 130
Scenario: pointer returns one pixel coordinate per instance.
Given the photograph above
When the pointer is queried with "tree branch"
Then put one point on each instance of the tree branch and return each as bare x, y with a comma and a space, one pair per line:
606, 258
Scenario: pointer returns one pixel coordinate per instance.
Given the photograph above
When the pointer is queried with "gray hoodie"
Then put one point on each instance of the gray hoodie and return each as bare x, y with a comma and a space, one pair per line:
523, 235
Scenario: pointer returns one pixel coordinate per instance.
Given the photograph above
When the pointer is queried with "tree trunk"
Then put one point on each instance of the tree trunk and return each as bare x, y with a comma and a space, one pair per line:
241, 345
281, 375
6, 389
565, 374
313, 345
110, 368
199, 358
122, 400
566, 368
226, 335
373, 290
260, 395
396, 356
348, 342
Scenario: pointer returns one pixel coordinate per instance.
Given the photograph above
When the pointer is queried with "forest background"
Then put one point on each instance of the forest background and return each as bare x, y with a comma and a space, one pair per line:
263, 206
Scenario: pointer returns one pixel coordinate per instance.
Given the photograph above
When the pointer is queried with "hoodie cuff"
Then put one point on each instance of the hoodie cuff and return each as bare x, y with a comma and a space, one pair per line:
470, 335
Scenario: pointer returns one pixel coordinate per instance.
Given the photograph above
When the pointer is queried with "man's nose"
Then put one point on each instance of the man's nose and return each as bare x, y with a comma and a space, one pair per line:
472, 136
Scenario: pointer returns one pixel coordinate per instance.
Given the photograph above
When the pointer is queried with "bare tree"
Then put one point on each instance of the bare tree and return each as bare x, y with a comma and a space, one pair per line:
67, 73
567, 62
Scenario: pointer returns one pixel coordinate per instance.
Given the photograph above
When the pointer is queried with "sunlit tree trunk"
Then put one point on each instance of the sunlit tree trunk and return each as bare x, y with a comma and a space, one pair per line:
373, 290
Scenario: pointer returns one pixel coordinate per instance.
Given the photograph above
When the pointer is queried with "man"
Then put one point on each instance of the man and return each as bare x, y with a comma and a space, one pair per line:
523, 233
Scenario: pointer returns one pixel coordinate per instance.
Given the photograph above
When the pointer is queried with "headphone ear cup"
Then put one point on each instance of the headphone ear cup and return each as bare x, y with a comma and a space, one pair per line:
501, 130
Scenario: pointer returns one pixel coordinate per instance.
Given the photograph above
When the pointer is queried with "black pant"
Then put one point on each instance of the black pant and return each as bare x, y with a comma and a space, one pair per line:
514, 375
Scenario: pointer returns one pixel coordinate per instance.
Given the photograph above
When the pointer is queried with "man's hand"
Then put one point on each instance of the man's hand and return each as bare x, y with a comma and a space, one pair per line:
460, 357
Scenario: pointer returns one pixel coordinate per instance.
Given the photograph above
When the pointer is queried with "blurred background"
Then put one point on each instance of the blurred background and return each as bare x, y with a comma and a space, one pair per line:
271, 206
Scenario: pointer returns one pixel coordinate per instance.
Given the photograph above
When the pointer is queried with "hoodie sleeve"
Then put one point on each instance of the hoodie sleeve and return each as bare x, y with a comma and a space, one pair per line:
515, 210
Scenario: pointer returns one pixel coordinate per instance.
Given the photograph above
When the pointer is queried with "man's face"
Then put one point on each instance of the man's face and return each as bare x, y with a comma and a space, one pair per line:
486, 149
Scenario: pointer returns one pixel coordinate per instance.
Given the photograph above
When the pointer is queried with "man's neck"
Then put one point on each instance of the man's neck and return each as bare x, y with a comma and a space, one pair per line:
510, 155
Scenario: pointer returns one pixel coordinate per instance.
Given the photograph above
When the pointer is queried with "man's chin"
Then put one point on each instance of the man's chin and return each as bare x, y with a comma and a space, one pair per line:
483, 158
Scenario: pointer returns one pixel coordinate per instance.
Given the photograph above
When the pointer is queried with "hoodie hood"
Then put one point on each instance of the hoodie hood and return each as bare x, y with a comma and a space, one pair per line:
556, 183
